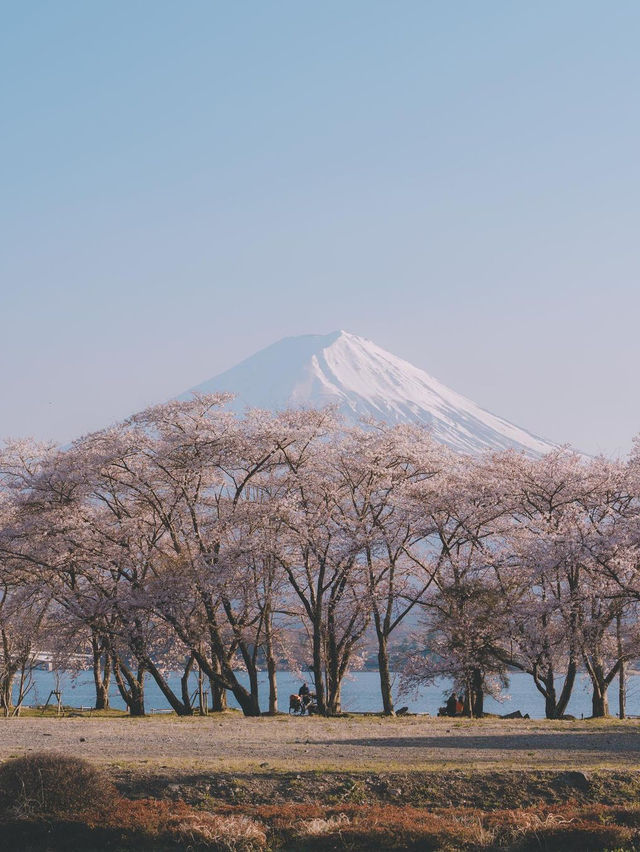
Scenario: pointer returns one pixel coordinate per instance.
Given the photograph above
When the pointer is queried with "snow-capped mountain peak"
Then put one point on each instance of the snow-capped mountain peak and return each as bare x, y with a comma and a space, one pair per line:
364, 380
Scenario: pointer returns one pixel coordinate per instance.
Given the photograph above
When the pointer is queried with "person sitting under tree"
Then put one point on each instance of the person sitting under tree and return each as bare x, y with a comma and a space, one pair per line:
305, 695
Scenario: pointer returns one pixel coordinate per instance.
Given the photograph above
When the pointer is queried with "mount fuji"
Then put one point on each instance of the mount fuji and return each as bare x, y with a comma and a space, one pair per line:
365, 381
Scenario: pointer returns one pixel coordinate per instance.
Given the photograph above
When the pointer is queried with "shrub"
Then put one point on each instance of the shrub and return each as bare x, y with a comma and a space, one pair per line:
48, 783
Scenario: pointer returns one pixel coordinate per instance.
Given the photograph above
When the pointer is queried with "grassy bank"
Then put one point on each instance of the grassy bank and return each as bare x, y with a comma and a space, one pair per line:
149, 824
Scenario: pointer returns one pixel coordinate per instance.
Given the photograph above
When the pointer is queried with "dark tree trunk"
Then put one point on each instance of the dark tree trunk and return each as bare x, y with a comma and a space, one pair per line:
181, 708
273, 685
218, 697
184, 685
599, 683
253, 686
136, 706
318, 664
101, 674
6, 692
555, 707
130, 686
621, 672
271, 664
599, 704
467, 704
334, 683
248, 701
333, 677
477, 694
385, 676
567, 688
202, 704
550, 700
102, 696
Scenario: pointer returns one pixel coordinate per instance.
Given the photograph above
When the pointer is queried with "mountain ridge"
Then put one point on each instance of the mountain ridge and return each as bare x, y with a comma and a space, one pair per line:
365, 381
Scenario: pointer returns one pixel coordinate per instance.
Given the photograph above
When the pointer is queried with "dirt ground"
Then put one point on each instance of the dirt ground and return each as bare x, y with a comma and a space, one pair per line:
233, 743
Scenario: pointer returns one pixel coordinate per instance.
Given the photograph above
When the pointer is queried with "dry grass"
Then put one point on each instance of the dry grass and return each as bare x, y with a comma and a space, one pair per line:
50, 783
318, 826
152, 824
568, 828
224, 832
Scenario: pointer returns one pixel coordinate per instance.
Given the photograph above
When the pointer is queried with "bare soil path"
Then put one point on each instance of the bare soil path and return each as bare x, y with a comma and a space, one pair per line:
231, 742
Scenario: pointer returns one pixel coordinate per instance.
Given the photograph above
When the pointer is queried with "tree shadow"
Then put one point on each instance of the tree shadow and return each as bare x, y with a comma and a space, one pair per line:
617, 742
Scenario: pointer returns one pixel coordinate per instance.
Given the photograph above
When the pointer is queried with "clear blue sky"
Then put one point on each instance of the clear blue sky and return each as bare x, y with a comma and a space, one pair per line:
184, 183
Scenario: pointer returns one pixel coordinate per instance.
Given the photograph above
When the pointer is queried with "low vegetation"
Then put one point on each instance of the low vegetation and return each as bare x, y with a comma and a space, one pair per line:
51, 802
52, 784
159, 825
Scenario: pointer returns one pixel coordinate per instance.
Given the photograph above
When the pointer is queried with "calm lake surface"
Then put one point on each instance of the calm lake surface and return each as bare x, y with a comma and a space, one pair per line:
360, 693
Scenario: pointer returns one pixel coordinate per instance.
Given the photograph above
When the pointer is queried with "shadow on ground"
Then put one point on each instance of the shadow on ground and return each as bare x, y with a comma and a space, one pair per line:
615, 742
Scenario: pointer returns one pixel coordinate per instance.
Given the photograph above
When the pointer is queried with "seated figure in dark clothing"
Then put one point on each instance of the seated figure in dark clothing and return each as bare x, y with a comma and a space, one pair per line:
305, 695
451, 705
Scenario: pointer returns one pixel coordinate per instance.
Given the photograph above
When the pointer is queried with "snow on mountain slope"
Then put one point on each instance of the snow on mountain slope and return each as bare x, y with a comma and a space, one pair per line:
364, 380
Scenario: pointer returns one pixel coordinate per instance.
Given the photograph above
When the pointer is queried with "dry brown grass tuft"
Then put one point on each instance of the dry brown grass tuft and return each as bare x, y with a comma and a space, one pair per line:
233, 833
318, 826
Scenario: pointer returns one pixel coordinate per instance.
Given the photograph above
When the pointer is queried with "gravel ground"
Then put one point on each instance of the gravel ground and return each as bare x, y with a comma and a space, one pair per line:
290, 743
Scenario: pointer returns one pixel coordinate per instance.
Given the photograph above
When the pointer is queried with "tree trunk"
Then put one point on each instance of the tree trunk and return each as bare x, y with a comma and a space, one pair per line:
467, 704
101, 676
599, 699
621, 671
218, 697
248, 701
218, 692
477, 693
132, 691
202, 706
550, 700
136, 707
599, 704
181, 708
252, 671
6, 692
567, 688
334, 683
554, 707
318, 662
184, 686
334, 679
9, 671
385, 676
24, 682
271, 664
102, 696
273, 685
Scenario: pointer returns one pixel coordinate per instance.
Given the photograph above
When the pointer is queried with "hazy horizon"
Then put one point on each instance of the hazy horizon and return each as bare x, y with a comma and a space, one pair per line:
184, 186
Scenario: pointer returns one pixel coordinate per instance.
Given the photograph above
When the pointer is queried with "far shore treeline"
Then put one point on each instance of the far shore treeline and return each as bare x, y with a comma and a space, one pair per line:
187, 538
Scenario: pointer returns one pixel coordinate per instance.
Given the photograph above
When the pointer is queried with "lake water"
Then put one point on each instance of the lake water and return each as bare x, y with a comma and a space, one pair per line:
360, 693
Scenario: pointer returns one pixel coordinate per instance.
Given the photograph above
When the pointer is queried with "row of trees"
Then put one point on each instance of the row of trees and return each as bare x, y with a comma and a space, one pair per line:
188, 539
